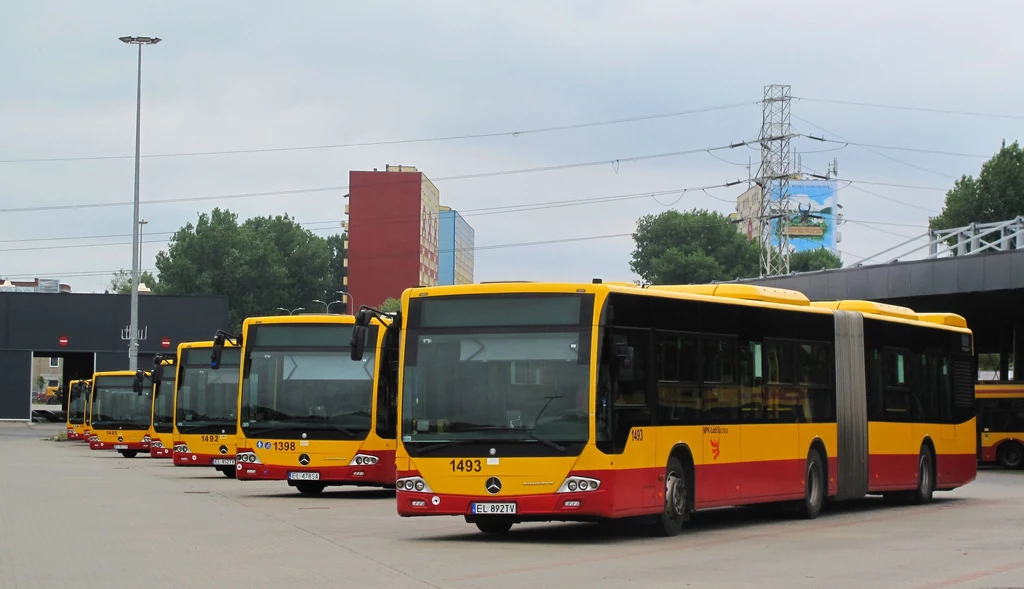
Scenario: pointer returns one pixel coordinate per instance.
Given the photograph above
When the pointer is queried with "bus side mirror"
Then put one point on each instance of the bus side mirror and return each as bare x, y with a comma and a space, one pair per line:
218, 349
137, 383
158, 373
357, 341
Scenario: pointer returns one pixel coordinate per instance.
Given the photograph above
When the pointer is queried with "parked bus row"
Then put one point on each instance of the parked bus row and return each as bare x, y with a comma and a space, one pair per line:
515, 402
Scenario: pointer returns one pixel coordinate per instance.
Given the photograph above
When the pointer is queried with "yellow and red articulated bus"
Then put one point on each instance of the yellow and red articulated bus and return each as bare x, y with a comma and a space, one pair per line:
309, 414
161, 424
78, 395
580, 402
120, 413
1001, 423
205, 406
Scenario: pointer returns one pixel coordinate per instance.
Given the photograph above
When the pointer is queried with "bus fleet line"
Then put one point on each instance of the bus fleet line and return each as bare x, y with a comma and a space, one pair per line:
514, 402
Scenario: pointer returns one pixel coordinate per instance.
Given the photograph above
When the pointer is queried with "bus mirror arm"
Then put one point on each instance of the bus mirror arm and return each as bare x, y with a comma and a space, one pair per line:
363, 317
218, 346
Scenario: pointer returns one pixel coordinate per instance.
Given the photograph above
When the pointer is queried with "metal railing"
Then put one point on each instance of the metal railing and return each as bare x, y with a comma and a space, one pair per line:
975, 238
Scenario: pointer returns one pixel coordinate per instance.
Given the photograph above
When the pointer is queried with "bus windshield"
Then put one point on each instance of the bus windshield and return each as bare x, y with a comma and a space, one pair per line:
302, 382
207, 398
163, 403
116, 406
76, 402
484, 369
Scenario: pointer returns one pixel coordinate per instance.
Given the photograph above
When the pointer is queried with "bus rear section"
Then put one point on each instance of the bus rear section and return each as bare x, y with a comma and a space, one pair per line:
78, 395
161, 428
1001, 424
308, 413
580, 402
205, 406
120, 413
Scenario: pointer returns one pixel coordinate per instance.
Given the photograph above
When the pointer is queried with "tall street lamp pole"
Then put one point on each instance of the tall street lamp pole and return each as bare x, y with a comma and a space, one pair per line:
133, 342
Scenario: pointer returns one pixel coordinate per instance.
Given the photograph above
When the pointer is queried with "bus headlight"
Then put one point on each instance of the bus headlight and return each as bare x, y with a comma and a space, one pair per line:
363, 460
575, 484
181, 449
247, 458
156, 444
415, 484
146, 439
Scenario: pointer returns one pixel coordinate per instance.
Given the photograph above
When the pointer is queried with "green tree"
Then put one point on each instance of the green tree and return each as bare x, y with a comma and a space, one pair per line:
391, 305
814, 260
692, 247
41, 383
121, 283
997, 194
260, 265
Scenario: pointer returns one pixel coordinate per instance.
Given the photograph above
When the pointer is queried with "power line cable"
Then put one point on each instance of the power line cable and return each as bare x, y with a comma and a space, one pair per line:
518, 133
614, 162
912, 108
396, 219
874, 151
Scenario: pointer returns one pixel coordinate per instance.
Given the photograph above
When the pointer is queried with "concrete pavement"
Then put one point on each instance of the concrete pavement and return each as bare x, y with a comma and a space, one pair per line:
70, 517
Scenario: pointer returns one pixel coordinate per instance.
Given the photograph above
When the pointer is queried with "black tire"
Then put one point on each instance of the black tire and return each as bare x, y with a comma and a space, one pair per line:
310, 488
677, 501
925, 478
815, 488
494, 525
227, 471
1011, 455
129, 453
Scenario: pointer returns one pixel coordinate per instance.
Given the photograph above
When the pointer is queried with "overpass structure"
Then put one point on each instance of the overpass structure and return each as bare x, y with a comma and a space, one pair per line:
975, 271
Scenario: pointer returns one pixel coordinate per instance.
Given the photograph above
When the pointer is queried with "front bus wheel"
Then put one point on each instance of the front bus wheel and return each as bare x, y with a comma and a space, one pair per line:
227, 471
670, 521
129, 453
494, 525
310, 488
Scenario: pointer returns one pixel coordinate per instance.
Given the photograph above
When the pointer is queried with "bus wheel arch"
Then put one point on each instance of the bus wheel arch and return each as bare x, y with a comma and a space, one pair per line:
818, 445
682, 453
1010, 453
678, 493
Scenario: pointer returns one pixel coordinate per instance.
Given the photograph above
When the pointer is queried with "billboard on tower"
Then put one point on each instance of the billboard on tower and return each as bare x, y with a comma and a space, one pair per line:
812, 215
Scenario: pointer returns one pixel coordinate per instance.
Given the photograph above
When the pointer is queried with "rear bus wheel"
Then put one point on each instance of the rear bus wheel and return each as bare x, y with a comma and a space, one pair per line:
671, 519
1011, 455
814, 487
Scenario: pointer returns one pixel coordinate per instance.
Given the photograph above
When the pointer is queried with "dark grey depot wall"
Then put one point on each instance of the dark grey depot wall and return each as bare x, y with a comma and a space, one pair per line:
35, 322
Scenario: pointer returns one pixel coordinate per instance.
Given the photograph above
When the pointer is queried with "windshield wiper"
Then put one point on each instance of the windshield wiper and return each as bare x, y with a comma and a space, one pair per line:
504, 428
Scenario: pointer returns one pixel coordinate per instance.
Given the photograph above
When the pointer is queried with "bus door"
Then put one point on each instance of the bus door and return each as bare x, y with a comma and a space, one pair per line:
720, 416
784, 409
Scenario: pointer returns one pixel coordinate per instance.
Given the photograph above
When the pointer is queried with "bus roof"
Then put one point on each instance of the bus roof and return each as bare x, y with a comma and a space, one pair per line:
311, 318
739, 294
200, 345
96, 375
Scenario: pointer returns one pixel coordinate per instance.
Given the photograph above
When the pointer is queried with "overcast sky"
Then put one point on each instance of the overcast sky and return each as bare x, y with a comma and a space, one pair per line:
237, 75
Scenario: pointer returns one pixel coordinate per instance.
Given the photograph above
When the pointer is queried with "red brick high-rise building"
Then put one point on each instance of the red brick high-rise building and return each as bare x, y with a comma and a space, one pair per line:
392, 233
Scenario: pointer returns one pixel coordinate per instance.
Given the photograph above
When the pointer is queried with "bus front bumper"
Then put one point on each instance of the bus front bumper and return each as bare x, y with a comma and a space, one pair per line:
119, 446
586, 505
160, 452
193, 459
72, 435
380, 474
